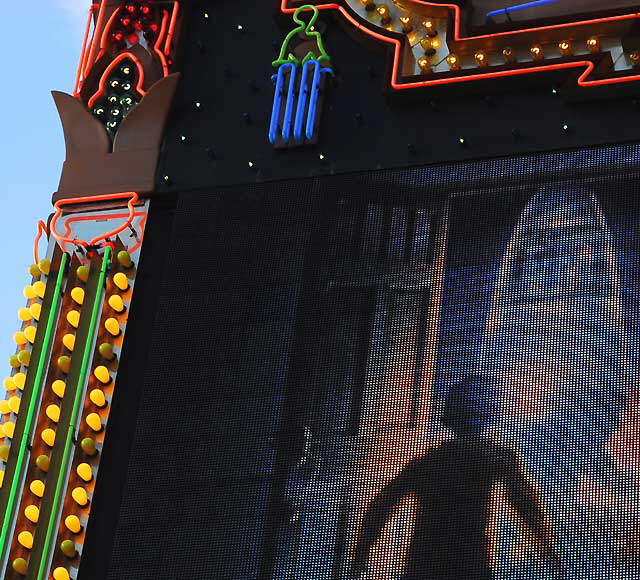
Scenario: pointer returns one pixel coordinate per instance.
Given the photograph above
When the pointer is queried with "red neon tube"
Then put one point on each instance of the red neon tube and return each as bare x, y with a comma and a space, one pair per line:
172, 27
42, 228
163, 30
83, 53
94, 40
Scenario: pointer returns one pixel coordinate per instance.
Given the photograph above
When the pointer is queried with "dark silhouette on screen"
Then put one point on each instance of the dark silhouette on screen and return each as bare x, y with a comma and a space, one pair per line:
453, 484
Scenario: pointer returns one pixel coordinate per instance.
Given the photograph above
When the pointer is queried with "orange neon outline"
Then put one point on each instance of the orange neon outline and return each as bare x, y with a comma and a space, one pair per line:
133, 198
395, 84
163, 30
83, 218
103, 79
172, 27
42, 229
105, 34
83, 53
94, 40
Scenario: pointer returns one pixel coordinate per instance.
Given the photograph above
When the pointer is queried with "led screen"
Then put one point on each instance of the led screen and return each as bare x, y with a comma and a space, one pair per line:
521, 10
426, 374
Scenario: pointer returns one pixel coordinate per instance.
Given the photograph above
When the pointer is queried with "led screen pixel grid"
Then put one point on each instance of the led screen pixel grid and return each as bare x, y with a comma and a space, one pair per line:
339, 333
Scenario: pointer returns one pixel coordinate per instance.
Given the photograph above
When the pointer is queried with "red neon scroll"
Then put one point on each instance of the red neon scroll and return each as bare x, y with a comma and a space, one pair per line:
398, 84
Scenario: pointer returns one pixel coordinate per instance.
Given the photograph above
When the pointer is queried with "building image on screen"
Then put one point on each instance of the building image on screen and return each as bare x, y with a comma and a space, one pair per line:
475, 394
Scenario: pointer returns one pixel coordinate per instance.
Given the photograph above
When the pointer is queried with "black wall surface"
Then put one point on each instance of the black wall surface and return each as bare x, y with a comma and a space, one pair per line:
364, 127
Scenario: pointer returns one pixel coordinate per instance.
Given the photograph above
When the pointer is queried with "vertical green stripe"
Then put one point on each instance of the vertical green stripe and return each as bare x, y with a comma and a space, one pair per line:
68, 441
24, 435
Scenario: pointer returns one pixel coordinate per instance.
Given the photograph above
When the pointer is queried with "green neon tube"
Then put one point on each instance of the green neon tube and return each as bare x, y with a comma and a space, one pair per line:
86, 354
22, 449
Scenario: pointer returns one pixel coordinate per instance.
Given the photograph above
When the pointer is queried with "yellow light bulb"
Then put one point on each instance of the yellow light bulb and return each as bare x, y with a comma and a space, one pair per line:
4, 407
383, 12
481, 58
35, 271
61, 573
565, 47
32, 513
24, 357
4, 452
24, 314
97, 397
64, 363
14, 404
121, 281
536, 52
453, 61
39, 287
25, 539
19, 338
73, 524
14, 361
77, 295
73, 318
102, 374
45, 266
407, 27
424, 64
112, 326
19, 379
79, 495
42, 462
84, 472
69, 340
58, 387
634, 57
9, 384
49, 436
28, 292
36, 309
116, 303
593, 44
82, 273
125, 259
8, 428
427, 45
53, 412
68, 548
30, 333
19, 566
37, 487
1, 477
430, 27
88, 445
93, 420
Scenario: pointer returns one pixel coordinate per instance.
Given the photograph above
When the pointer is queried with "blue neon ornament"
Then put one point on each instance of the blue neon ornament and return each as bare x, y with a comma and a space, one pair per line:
298, 86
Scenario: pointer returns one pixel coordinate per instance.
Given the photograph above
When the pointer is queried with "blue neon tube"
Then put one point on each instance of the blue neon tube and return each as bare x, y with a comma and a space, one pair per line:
517, 7
315, 95
277, 102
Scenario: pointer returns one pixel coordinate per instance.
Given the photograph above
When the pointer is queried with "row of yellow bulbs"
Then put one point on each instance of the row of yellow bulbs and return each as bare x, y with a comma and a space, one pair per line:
93, 420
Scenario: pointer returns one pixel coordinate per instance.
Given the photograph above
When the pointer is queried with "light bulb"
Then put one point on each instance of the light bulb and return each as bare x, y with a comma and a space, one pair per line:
9, 384
4, 452
14, 361
34, 270
4, 408
453, 61
19, 338
73, 318
84, 472
24, 314
73, 524
407, 27
106, 351
64, 363
19, 379
424, 64
102, 374
35, 309
19, 566
121, 281
82, 273
93, 420
97, 397
37, 487
14, 404
24, 357
565, 47
45, 266
58, 387
112, 327
69, 340
28, 292
9, 428
77, 295
536, 52
383, 12
49, 436
593, 44
116, 303
68, 548
430, 27
53, 412
88, 445
39, 288
25, 539
481, 58
30, 333
124, 259
427, 46
369, 5
61, 573
634, 57
42, 462
32, 513
79, 495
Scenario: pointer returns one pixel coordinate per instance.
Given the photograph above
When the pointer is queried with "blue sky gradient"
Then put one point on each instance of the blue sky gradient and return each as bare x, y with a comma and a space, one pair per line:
32, 148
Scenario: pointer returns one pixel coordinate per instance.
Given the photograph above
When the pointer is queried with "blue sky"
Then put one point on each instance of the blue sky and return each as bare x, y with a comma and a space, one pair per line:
32, 145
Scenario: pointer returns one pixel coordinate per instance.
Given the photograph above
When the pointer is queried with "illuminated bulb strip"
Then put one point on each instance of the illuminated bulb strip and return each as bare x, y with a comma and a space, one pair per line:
22, 437
59, 480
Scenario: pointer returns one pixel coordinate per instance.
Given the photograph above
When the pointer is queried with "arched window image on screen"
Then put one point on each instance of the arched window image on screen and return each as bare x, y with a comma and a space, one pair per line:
475, 415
